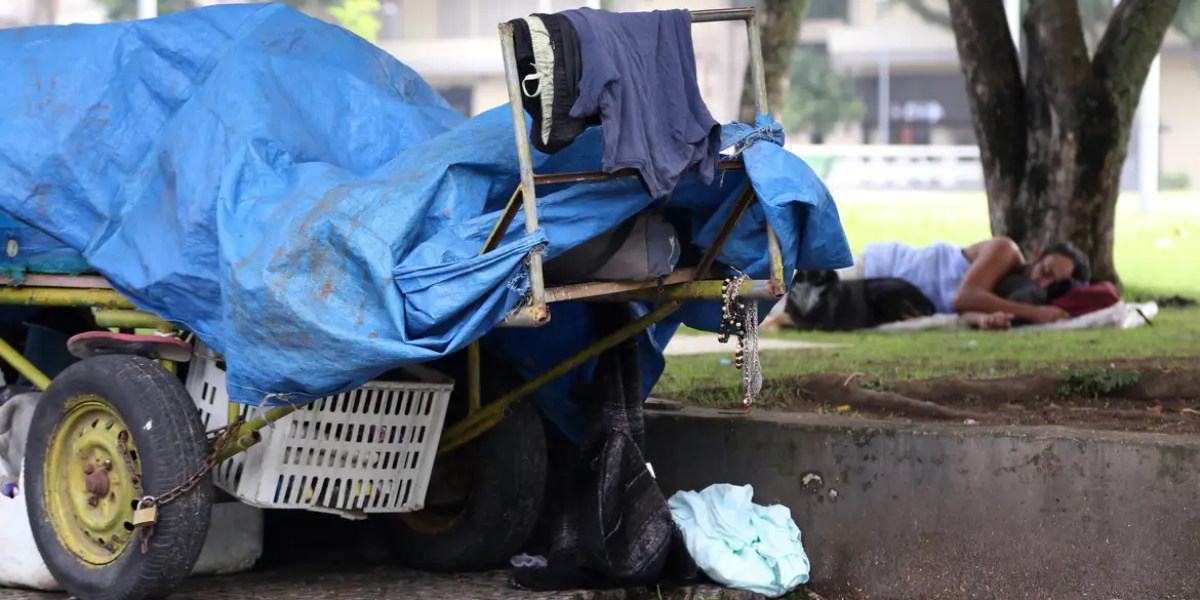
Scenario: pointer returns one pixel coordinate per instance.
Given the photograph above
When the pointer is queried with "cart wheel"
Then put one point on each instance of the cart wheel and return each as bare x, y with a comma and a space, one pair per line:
81, 490
484, 499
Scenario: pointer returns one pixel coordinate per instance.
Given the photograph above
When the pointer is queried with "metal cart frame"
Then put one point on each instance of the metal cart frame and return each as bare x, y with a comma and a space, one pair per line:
114, 311
65, 506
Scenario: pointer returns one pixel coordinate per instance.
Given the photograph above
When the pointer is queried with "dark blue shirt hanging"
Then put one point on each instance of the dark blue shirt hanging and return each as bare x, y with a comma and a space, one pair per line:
639, 74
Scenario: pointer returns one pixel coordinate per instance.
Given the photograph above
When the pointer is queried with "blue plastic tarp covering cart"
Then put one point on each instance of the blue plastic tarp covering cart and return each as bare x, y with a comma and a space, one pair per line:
314, 211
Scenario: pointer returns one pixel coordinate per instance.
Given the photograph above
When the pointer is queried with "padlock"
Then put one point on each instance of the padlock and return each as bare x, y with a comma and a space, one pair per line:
146, 512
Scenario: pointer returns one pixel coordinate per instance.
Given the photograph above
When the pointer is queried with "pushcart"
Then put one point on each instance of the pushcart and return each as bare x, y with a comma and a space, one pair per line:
130, 444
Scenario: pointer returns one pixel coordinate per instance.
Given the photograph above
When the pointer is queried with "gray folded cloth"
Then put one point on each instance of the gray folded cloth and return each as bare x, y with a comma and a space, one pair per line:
15, 415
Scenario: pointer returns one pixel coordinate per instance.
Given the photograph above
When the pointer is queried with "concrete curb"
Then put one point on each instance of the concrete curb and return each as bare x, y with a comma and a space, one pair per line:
901, 511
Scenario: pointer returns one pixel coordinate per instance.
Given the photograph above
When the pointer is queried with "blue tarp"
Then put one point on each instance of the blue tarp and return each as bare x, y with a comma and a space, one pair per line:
314, 211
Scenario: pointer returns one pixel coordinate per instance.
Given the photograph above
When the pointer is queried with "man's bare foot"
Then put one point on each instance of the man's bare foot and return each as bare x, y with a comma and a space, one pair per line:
992, 321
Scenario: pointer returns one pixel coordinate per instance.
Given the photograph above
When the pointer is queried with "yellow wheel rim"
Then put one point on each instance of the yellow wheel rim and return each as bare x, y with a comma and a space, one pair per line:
90, 491
433, 520
455, 471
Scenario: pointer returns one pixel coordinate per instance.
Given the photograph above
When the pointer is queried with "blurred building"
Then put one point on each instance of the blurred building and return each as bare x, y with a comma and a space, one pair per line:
16, 13
454, 45
928, 101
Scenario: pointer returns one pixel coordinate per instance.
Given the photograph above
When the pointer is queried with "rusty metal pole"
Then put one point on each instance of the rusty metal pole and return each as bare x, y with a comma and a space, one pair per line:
537, 312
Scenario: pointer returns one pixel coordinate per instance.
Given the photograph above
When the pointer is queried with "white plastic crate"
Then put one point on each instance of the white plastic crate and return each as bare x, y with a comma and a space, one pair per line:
370, 450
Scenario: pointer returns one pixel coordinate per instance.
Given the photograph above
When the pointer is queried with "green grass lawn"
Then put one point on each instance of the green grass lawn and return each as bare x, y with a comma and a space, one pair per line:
1175, 337
1157, 254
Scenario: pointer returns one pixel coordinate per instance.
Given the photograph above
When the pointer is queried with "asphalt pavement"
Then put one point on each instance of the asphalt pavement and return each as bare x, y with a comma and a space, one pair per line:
314, 556
384, 583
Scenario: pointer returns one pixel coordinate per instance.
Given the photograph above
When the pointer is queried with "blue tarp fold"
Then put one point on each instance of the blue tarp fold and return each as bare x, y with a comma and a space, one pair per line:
313, 210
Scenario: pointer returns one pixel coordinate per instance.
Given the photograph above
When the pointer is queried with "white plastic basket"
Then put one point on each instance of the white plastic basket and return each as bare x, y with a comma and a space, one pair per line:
370, 450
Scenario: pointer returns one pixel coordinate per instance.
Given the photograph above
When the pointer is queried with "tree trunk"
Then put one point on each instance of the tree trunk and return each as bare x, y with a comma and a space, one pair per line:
779, 24
996, 93
1052, 146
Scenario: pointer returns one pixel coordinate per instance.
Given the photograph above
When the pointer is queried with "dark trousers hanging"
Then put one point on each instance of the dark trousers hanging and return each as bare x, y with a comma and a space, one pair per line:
615, 530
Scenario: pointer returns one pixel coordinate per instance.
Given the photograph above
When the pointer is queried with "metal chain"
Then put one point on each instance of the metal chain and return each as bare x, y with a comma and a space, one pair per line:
730, 317
751, 366
123, 447
220, 439
739, 319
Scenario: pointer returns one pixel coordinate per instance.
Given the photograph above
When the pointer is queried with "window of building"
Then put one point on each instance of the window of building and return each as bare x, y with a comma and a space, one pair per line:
459, 97
918, 103
828, 9
813, 48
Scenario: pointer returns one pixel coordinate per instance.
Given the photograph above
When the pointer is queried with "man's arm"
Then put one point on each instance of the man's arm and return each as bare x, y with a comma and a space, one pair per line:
993, 259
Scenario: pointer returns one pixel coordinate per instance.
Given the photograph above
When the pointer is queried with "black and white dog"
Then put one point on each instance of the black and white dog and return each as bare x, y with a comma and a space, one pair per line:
820, 301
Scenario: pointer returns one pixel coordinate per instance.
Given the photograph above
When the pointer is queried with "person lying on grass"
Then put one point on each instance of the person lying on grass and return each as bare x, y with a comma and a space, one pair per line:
964, 280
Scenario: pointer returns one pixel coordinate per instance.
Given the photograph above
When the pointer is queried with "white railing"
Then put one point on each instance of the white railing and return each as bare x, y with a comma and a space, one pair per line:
894, 166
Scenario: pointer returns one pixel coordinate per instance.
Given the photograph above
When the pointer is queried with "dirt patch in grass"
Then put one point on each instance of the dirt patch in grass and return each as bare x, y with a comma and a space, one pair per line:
1122, 396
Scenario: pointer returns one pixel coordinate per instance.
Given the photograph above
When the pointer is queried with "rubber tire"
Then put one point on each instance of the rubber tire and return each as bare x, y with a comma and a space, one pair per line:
505, 501
170, 451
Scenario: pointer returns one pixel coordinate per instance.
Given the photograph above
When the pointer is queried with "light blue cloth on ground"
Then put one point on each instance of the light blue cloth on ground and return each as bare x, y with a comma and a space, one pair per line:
937, 270
740, 544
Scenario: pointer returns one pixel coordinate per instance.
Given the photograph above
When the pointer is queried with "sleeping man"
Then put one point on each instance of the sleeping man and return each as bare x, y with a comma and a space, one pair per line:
954, 279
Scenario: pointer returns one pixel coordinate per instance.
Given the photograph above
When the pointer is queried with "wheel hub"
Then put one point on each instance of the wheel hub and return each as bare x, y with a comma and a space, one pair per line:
97, 482
91, 481
445, 502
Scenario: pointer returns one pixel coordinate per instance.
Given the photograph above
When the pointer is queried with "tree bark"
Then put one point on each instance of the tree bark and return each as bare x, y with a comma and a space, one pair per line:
1060, 96
779, 24
1120, 67
996, 96
1052, 147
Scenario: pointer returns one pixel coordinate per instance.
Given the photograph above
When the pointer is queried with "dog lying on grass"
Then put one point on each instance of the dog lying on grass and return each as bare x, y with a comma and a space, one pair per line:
821, 301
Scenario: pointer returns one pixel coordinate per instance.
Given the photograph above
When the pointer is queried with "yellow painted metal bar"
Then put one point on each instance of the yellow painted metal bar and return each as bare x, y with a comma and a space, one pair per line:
478, 423
130, 319
35, 296
232, 413
533, 315
505, 221
746, 196
35, 376
247, 434
537, 283
474, 390
776, 284
709, 289
758, 73
758, 70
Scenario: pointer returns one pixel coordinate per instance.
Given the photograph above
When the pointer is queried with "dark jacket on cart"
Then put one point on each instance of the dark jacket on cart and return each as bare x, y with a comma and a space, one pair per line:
639, 74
